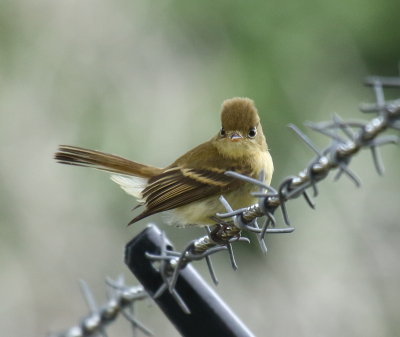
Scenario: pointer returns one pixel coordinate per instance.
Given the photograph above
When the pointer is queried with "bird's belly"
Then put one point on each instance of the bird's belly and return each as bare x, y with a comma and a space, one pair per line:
199, 213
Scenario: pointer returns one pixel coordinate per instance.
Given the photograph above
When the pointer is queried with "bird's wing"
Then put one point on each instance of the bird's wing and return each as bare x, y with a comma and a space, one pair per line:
178, 186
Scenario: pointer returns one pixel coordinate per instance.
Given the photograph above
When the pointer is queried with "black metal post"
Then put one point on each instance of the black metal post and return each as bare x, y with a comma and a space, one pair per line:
209, 317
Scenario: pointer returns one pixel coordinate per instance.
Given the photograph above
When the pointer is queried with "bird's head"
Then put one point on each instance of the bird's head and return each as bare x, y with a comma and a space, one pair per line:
240, 126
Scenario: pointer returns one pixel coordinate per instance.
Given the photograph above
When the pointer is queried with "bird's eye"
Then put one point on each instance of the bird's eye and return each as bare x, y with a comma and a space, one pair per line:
252, 132
222, 132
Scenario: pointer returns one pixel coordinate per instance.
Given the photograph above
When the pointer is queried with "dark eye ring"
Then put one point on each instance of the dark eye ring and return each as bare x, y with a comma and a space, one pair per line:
252, 132
222, 132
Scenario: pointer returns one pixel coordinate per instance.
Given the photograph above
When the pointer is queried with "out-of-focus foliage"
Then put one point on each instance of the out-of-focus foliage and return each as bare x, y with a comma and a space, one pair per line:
145, 79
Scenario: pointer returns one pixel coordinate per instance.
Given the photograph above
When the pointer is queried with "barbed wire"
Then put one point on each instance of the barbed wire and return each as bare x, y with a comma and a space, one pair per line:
121, 301
347, 138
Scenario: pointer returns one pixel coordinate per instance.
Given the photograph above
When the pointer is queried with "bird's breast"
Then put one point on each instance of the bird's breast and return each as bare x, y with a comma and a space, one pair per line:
199, 213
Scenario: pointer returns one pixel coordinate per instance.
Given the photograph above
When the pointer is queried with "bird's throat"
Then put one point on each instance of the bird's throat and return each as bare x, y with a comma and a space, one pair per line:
234, 149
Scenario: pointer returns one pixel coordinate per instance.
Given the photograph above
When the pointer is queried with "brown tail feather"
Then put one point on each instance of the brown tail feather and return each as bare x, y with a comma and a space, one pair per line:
78, 156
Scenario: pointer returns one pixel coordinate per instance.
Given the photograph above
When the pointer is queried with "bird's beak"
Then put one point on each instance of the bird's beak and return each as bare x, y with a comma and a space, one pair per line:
235, 136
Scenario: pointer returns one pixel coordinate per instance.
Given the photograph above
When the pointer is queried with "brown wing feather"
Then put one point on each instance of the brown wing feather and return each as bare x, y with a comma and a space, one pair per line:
180, 186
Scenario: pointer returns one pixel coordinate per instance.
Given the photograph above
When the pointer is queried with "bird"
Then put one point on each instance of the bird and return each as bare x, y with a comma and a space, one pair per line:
188, 190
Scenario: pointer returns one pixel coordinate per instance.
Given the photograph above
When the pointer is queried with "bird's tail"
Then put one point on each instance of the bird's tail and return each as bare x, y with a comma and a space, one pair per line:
78, 156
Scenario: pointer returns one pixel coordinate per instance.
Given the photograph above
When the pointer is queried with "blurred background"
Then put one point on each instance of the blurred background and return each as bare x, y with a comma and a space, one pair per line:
145, 80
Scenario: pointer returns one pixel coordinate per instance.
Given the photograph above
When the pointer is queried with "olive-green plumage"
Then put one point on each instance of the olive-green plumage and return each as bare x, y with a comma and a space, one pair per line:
191, 185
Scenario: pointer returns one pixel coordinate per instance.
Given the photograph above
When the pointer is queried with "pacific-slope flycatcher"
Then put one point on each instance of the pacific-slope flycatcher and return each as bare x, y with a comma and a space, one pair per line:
190, 187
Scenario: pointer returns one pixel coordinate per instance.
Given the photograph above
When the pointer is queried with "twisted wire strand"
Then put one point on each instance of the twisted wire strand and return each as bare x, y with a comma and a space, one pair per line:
346, 140
341, 151
121, 301
354, 136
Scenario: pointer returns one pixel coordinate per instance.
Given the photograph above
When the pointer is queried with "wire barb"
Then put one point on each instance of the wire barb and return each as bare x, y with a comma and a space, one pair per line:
121, 301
